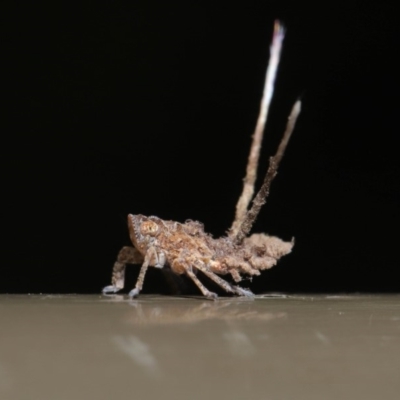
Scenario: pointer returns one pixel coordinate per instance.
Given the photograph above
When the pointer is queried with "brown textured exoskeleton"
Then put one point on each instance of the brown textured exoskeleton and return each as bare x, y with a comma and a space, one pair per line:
187, 249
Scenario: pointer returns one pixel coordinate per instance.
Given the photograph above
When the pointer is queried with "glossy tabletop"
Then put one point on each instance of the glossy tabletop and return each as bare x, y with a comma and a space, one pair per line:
157, 347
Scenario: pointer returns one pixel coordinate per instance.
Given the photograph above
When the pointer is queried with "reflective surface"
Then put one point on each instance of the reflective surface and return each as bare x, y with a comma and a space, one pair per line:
275, 347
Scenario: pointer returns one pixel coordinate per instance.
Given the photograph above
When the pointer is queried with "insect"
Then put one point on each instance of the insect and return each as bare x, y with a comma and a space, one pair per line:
186, 248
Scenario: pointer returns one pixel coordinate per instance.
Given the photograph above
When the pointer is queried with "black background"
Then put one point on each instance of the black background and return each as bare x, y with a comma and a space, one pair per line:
148, 107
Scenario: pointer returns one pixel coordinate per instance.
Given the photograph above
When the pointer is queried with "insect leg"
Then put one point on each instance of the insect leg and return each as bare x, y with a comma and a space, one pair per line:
203, 289
151, 252
127, 255
221, 282
160, 260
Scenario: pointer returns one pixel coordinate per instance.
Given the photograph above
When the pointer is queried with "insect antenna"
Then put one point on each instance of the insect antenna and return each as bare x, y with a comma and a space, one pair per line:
252, 164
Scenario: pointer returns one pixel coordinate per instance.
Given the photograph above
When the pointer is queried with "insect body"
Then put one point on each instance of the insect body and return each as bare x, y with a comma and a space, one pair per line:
187, 249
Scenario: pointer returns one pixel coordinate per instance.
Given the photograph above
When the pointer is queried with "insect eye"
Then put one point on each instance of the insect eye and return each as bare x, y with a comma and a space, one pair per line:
149, 228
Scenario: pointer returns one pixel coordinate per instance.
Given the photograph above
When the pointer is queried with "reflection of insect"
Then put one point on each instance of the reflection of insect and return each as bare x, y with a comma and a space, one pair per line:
187, 249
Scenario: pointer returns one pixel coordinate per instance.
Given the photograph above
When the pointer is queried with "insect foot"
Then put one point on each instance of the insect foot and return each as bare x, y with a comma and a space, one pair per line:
243, 292
186, 249
110, 289
134, 293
